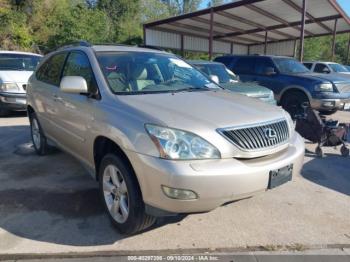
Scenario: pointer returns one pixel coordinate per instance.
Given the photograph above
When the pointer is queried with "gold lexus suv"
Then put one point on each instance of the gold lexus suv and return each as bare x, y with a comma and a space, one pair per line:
159, 136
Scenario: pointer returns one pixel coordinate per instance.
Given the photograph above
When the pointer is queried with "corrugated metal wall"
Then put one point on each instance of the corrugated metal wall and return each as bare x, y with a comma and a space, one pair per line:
285, 48
198, 44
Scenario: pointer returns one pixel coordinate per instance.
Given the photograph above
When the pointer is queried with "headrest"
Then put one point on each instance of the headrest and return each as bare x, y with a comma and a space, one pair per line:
139, 72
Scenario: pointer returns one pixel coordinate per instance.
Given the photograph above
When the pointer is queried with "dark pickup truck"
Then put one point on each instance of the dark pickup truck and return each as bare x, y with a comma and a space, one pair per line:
292, 83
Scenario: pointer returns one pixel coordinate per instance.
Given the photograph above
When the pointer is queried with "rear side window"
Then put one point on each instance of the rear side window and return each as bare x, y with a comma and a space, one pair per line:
226, 60
78, 64
308, 65
244, 65
261, 65
50, 71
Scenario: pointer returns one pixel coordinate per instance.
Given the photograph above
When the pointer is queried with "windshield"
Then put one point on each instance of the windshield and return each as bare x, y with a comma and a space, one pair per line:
290, 66
338, 68
143, 72
18, 62
224, 75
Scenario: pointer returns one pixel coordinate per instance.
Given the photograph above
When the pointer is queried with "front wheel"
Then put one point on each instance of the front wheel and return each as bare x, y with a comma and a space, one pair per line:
122, 197
292, 102
38, 137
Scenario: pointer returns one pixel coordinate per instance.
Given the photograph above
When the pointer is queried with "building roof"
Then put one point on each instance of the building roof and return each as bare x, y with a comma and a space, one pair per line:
246, 21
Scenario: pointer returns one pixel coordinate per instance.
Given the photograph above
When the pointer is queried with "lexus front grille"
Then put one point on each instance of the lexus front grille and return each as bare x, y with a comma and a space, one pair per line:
258, 137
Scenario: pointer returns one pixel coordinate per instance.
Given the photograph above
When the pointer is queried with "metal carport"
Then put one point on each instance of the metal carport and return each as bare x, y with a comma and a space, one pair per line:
249, 27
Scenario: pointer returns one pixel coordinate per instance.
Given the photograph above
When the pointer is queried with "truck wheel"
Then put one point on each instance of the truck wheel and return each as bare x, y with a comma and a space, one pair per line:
292, 101
121, 196
38, 137
344, 151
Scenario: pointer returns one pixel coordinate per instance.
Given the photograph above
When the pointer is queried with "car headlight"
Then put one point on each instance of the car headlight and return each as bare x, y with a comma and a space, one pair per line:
8, 87
325, 87
179, 144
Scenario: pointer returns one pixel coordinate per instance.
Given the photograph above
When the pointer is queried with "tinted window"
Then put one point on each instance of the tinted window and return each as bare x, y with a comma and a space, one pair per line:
78, 64
308, 65
18, 62
338, 68
226, 60
50, 71
321, 68
261, 65
244, 65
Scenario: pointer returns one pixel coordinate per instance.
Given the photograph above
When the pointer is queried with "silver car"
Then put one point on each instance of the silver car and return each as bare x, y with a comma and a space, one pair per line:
159, 137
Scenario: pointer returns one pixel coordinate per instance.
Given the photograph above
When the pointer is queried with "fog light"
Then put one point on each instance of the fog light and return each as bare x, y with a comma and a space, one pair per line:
177, 193
329, 103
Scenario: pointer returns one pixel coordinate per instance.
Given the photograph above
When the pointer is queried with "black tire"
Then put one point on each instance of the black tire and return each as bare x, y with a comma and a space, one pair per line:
319, 152
4, 112
137, 220
292, 102
327, 113
41, 146
344, 151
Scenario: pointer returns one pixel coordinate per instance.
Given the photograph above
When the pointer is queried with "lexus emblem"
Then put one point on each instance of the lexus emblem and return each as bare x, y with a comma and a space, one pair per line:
270, 133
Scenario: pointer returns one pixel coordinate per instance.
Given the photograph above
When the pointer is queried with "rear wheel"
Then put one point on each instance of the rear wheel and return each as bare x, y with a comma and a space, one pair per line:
122, 197
38, 137
292, 102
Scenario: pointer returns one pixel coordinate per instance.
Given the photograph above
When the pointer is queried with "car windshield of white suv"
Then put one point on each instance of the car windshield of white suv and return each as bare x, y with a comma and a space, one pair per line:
143, 72
290, 66
338, 68
18, 62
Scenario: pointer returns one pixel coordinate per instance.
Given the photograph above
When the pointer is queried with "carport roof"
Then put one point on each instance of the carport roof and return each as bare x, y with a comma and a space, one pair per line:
247, 21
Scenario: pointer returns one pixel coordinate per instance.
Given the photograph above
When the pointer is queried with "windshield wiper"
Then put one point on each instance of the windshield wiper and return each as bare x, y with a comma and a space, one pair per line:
190, 89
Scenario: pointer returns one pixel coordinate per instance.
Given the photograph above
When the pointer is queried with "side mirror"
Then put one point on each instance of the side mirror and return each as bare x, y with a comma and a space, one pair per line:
74, 85
270, 71
214, 78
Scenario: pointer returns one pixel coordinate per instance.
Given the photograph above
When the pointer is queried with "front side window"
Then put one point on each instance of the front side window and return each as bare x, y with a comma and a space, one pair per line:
262, 64
143, 72
289, 66
18, 62
50, 71
78, 64
321, 68
338, 68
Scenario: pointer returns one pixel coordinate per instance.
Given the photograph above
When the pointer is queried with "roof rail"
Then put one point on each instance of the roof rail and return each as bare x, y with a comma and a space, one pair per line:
77, 43
151, 47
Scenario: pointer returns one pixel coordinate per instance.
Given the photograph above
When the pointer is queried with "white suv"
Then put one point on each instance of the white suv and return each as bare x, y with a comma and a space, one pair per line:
15, 70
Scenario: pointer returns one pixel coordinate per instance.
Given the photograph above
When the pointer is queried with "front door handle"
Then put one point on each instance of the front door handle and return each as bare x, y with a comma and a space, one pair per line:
57, 98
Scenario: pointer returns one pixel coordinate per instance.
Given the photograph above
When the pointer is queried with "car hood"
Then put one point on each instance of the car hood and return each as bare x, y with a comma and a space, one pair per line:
203, 109
248, 88
334, 78
15, 76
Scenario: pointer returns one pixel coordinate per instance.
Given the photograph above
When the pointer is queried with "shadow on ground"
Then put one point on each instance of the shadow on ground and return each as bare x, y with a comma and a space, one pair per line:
50, 198
331, 171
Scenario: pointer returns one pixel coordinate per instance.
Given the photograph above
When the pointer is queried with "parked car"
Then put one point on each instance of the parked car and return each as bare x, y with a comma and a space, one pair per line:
227, 79
292, 83
15, 70
158, 135
327, 68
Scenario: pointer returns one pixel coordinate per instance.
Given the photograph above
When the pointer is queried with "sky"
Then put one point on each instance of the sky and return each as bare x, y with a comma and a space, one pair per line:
345, 4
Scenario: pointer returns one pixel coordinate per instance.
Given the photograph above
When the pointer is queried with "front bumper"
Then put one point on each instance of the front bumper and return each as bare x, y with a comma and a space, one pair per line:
330, 101
215, 181
13, 101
